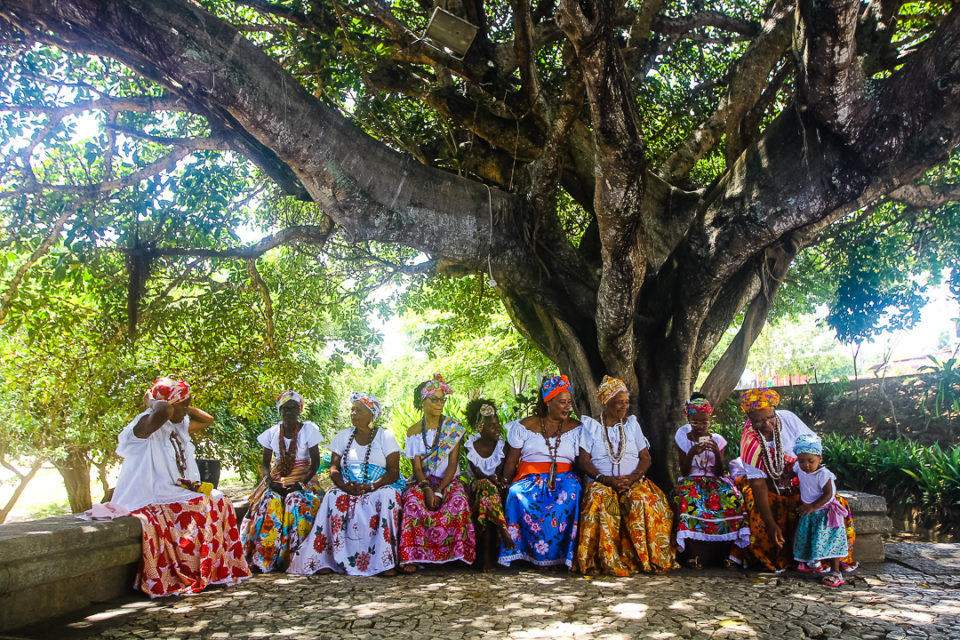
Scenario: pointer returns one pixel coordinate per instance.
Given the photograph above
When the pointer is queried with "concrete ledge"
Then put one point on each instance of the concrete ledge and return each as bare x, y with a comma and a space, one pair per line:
52, 566
871, 523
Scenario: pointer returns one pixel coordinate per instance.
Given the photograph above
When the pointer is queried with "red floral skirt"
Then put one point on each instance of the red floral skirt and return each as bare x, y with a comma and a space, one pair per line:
189, 545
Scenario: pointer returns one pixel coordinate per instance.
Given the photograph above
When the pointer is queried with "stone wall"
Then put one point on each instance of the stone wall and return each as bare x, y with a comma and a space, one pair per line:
52, 566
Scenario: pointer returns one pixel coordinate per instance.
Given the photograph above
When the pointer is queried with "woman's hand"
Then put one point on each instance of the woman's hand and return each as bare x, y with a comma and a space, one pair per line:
277, 487
776, 534
430, 499
804, 509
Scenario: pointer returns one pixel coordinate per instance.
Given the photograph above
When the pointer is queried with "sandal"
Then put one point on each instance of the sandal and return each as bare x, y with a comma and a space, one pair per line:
693, 563
803, 567
833, 580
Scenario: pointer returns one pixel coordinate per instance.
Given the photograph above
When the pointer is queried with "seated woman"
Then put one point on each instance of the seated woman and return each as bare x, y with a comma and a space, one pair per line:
543, 501
284, 504
190, 539
485, 461
356, 527
436, 525
625, 519
768, 486
709, 506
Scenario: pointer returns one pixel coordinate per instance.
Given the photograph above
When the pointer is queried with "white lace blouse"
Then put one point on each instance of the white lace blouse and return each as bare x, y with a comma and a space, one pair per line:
592, 441
309, 436
533, 448
487, 466
149, 472
702, 463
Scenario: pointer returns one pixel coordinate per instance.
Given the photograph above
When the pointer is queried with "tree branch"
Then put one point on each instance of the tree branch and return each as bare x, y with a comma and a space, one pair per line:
925, 196
257, 282
51, 238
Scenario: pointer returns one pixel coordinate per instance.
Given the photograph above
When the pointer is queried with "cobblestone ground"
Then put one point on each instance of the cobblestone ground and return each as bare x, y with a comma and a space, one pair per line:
885, 601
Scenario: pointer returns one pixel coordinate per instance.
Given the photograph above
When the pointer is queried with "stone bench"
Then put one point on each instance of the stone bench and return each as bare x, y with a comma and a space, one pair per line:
56, 565
871, 523
52, 566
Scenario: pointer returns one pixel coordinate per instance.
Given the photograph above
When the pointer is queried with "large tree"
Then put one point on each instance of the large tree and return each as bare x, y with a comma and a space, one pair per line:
632, 175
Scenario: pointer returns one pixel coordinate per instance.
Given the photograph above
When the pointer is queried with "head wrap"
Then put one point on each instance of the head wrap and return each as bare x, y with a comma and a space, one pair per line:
434, 385
807, 443
698, 405
287, 396
370, 401
609, 387
755, 399
487, 410
170, 390
552, 387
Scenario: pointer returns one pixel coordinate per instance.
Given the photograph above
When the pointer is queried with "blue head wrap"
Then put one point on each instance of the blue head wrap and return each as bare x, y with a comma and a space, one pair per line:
808, 444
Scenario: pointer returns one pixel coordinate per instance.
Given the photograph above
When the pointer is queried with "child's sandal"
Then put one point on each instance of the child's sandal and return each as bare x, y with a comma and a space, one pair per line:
833, 579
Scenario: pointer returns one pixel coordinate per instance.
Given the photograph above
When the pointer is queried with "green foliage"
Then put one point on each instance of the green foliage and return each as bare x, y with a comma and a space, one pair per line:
945, 392
906, 474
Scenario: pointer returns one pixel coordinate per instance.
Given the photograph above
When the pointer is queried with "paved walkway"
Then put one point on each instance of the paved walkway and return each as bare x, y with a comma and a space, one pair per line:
884, 601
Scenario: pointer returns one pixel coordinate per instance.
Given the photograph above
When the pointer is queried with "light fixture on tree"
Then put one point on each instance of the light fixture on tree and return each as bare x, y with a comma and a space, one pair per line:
450, 32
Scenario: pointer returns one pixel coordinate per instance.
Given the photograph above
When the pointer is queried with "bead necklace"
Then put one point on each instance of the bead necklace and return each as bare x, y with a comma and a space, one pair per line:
615, 458
553, 450
366, 456
774, 468
287, 455
423, 434
178, 453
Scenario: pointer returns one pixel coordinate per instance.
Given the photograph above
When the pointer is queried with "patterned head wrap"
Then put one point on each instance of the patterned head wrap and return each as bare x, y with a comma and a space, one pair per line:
370, 401
609, 387
808, 444
552, 387
170, 390
756, 399
698, 405
287, 396
434, 385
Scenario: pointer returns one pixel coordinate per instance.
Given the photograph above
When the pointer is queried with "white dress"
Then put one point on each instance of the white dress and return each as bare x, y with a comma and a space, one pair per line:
149, 472
487, 466
355, 535
702, 463
592, 441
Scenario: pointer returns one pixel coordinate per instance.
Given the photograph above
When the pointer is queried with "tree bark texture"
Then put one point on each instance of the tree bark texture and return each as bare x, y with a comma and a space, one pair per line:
75, 470
665, 267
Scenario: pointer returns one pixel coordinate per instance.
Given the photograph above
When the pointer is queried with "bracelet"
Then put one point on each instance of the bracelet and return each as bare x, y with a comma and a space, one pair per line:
598, 478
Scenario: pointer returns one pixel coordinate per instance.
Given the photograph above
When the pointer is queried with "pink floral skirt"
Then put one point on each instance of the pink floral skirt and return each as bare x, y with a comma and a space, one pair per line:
437, 536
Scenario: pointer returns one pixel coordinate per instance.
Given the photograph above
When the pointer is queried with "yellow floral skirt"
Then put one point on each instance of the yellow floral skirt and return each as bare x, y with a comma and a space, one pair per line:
621, 535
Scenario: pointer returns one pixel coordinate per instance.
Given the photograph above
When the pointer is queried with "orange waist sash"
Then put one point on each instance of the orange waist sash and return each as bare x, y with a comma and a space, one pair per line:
529, 468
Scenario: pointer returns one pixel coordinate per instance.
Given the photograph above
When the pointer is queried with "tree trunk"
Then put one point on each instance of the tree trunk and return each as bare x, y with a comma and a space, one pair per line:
75, 470
25, 479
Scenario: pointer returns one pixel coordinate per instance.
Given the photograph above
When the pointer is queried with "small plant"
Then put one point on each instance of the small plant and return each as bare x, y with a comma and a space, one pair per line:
944, 394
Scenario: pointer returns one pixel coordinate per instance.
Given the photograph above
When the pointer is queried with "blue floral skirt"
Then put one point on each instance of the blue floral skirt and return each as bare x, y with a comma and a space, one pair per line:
815, 540
543, 523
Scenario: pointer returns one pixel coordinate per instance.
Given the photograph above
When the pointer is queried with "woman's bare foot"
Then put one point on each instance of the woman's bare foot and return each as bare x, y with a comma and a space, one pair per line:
388, 573
324, 572
409, 568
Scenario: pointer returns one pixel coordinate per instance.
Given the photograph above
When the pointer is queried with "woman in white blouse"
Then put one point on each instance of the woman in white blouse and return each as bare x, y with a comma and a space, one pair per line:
710, 508
356, 528
285, 503
190, 537
485, 458
625, 520
543, 501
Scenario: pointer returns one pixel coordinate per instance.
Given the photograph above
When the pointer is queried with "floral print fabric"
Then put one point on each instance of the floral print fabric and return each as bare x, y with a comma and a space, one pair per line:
189, 545
815, 540
437, 536
275, 527
542, 522
623, 534
710, 509
762, 552
487, 505
355, 535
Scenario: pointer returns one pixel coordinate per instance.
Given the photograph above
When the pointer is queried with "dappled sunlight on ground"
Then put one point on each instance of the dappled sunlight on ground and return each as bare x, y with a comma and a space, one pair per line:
524, 604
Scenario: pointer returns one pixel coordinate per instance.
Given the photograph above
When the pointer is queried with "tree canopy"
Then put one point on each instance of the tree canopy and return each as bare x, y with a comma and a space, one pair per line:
631, 177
